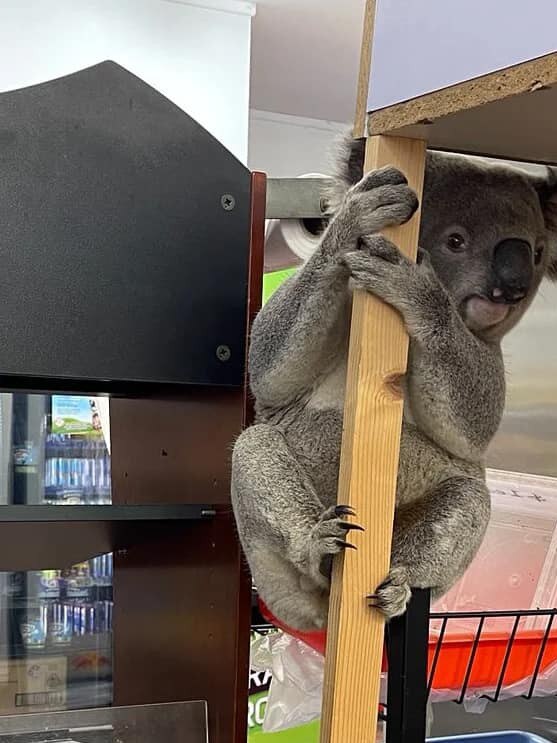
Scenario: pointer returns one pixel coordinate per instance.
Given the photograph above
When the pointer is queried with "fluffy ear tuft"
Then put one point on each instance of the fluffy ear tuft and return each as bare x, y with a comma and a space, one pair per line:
552, 267
347, 168
547, 190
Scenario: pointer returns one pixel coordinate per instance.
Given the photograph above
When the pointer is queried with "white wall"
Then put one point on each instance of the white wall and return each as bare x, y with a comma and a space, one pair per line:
285, 146
197, 54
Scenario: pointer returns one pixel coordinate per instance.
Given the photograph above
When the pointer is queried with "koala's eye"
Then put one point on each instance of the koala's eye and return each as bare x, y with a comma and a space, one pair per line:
456, 242
538, 255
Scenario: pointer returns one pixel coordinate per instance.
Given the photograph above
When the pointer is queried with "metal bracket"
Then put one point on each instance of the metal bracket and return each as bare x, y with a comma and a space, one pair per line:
295, 198
407, 643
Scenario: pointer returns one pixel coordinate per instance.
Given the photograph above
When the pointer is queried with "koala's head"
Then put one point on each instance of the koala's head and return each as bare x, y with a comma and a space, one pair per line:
490, 231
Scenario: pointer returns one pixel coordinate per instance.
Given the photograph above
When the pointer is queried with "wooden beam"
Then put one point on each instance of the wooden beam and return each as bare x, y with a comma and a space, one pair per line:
365, 67
367, 482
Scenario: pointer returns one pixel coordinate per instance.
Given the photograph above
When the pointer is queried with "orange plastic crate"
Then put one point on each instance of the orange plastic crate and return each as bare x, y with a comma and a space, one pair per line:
454, 657
456, 650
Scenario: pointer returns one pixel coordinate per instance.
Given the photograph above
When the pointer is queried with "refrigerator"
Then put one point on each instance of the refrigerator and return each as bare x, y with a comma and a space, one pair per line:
55, 624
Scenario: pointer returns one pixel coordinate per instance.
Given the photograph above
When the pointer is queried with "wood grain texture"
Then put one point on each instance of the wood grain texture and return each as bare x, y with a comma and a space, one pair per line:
367, 482
364, 73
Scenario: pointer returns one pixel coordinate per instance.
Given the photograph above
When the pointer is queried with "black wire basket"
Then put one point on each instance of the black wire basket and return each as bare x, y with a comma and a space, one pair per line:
500, 654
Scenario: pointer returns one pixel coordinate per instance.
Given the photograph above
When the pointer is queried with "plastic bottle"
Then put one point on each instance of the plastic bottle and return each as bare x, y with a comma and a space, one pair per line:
48, 587
35, 626
60, 624
78, 582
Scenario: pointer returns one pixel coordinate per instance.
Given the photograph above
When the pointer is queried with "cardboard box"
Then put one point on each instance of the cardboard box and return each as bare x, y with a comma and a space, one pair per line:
33, 684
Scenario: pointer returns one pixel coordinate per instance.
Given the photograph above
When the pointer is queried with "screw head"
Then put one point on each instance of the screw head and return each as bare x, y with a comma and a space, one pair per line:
228, 202
223, 353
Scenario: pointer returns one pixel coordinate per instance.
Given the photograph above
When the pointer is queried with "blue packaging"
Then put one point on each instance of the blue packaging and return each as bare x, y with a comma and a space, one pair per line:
508, 736
34, 628
60, 626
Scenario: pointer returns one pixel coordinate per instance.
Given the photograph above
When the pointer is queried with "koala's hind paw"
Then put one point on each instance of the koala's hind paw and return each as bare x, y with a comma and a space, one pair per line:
393, 595
329, 538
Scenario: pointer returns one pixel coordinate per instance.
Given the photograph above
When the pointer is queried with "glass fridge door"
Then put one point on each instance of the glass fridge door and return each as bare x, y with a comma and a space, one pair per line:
55, 449
55, 623
56, 638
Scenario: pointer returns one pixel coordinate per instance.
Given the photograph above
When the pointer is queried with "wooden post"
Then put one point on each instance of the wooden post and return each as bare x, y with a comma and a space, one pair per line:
360, 114
367, 482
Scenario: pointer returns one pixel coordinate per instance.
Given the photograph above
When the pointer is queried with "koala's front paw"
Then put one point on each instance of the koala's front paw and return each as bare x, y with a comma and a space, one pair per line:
381, 199
392, 596
327, 539
380, 268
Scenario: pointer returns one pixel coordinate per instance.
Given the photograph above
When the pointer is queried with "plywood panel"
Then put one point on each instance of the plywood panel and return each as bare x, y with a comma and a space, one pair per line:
509, 114
420, 47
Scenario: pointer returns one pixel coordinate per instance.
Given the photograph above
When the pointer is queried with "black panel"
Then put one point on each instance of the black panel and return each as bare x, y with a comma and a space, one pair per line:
118, 261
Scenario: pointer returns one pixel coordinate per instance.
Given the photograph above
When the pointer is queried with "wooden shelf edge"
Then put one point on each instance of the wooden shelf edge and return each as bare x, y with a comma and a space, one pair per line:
105, 513
508, 114
526, 77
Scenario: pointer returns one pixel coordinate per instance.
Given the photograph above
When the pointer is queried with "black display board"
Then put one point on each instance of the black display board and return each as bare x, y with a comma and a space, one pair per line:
124, 238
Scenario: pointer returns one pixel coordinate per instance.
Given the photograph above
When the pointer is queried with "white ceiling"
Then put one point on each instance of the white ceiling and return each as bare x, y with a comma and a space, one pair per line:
305, 57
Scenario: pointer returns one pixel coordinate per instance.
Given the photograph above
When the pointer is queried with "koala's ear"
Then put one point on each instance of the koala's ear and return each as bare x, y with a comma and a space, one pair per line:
547, 190
347, 168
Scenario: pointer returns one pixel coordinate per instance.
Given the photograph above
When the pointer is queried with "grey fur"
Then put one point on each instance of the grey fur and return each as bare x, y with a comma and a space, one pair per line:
285, 468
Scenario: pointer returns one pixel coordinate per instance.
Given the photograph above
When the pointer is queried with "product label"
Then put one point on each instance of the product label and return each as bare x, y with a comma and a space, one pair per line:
74, 414
49, 585
33, 633
78, 587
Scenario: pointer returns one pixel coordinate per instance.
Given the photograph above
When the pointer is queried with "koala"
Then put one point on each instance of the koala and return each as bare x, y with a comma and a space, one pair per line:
488, 236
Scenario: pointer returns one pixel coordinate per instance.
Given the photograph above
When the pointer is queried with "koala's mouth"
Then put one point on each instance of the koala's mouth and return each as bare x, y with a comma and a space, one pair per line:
481, 312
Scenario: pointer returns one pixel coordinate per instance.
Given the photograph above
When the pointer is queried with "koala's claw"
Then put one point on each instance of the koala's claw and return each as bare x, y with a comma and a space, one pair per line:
392, 596
328, 538
346, 545
341, 511
349, 526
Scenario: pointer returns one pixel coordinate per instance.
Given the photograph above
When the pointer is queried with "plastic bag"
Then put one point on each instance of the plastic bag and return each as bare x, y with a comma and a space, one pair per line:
296, 688
294, 696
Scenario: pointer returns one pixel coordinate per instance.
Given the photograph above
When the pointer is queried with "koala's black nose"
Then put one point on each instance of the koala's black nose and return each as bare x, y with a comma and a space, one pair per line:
513, 270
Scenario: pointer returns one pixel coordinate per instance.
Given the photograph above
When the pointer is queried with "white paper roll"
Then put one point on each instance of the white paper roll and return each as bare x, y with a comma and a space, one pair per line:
288, 242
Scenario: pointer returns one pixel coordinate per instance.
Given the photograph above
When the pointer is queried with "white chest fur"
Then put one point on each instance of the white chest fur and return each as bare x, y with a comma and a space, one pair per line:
329, 391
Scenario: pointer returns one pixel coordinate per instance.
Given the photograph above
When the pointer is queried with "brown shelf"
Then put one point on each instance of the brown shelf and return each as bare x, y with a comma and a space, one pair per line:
59, 536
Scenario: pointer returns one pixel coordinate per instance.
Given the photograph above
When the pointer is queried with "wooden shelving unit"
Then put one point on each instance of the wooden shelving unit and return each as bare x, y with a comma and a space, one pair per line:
152, 283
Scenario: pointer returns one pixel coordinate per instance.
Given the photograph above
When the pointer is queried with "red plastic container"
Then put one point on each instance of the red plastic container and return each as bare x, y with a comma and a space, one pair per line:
454, 655
456, 650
